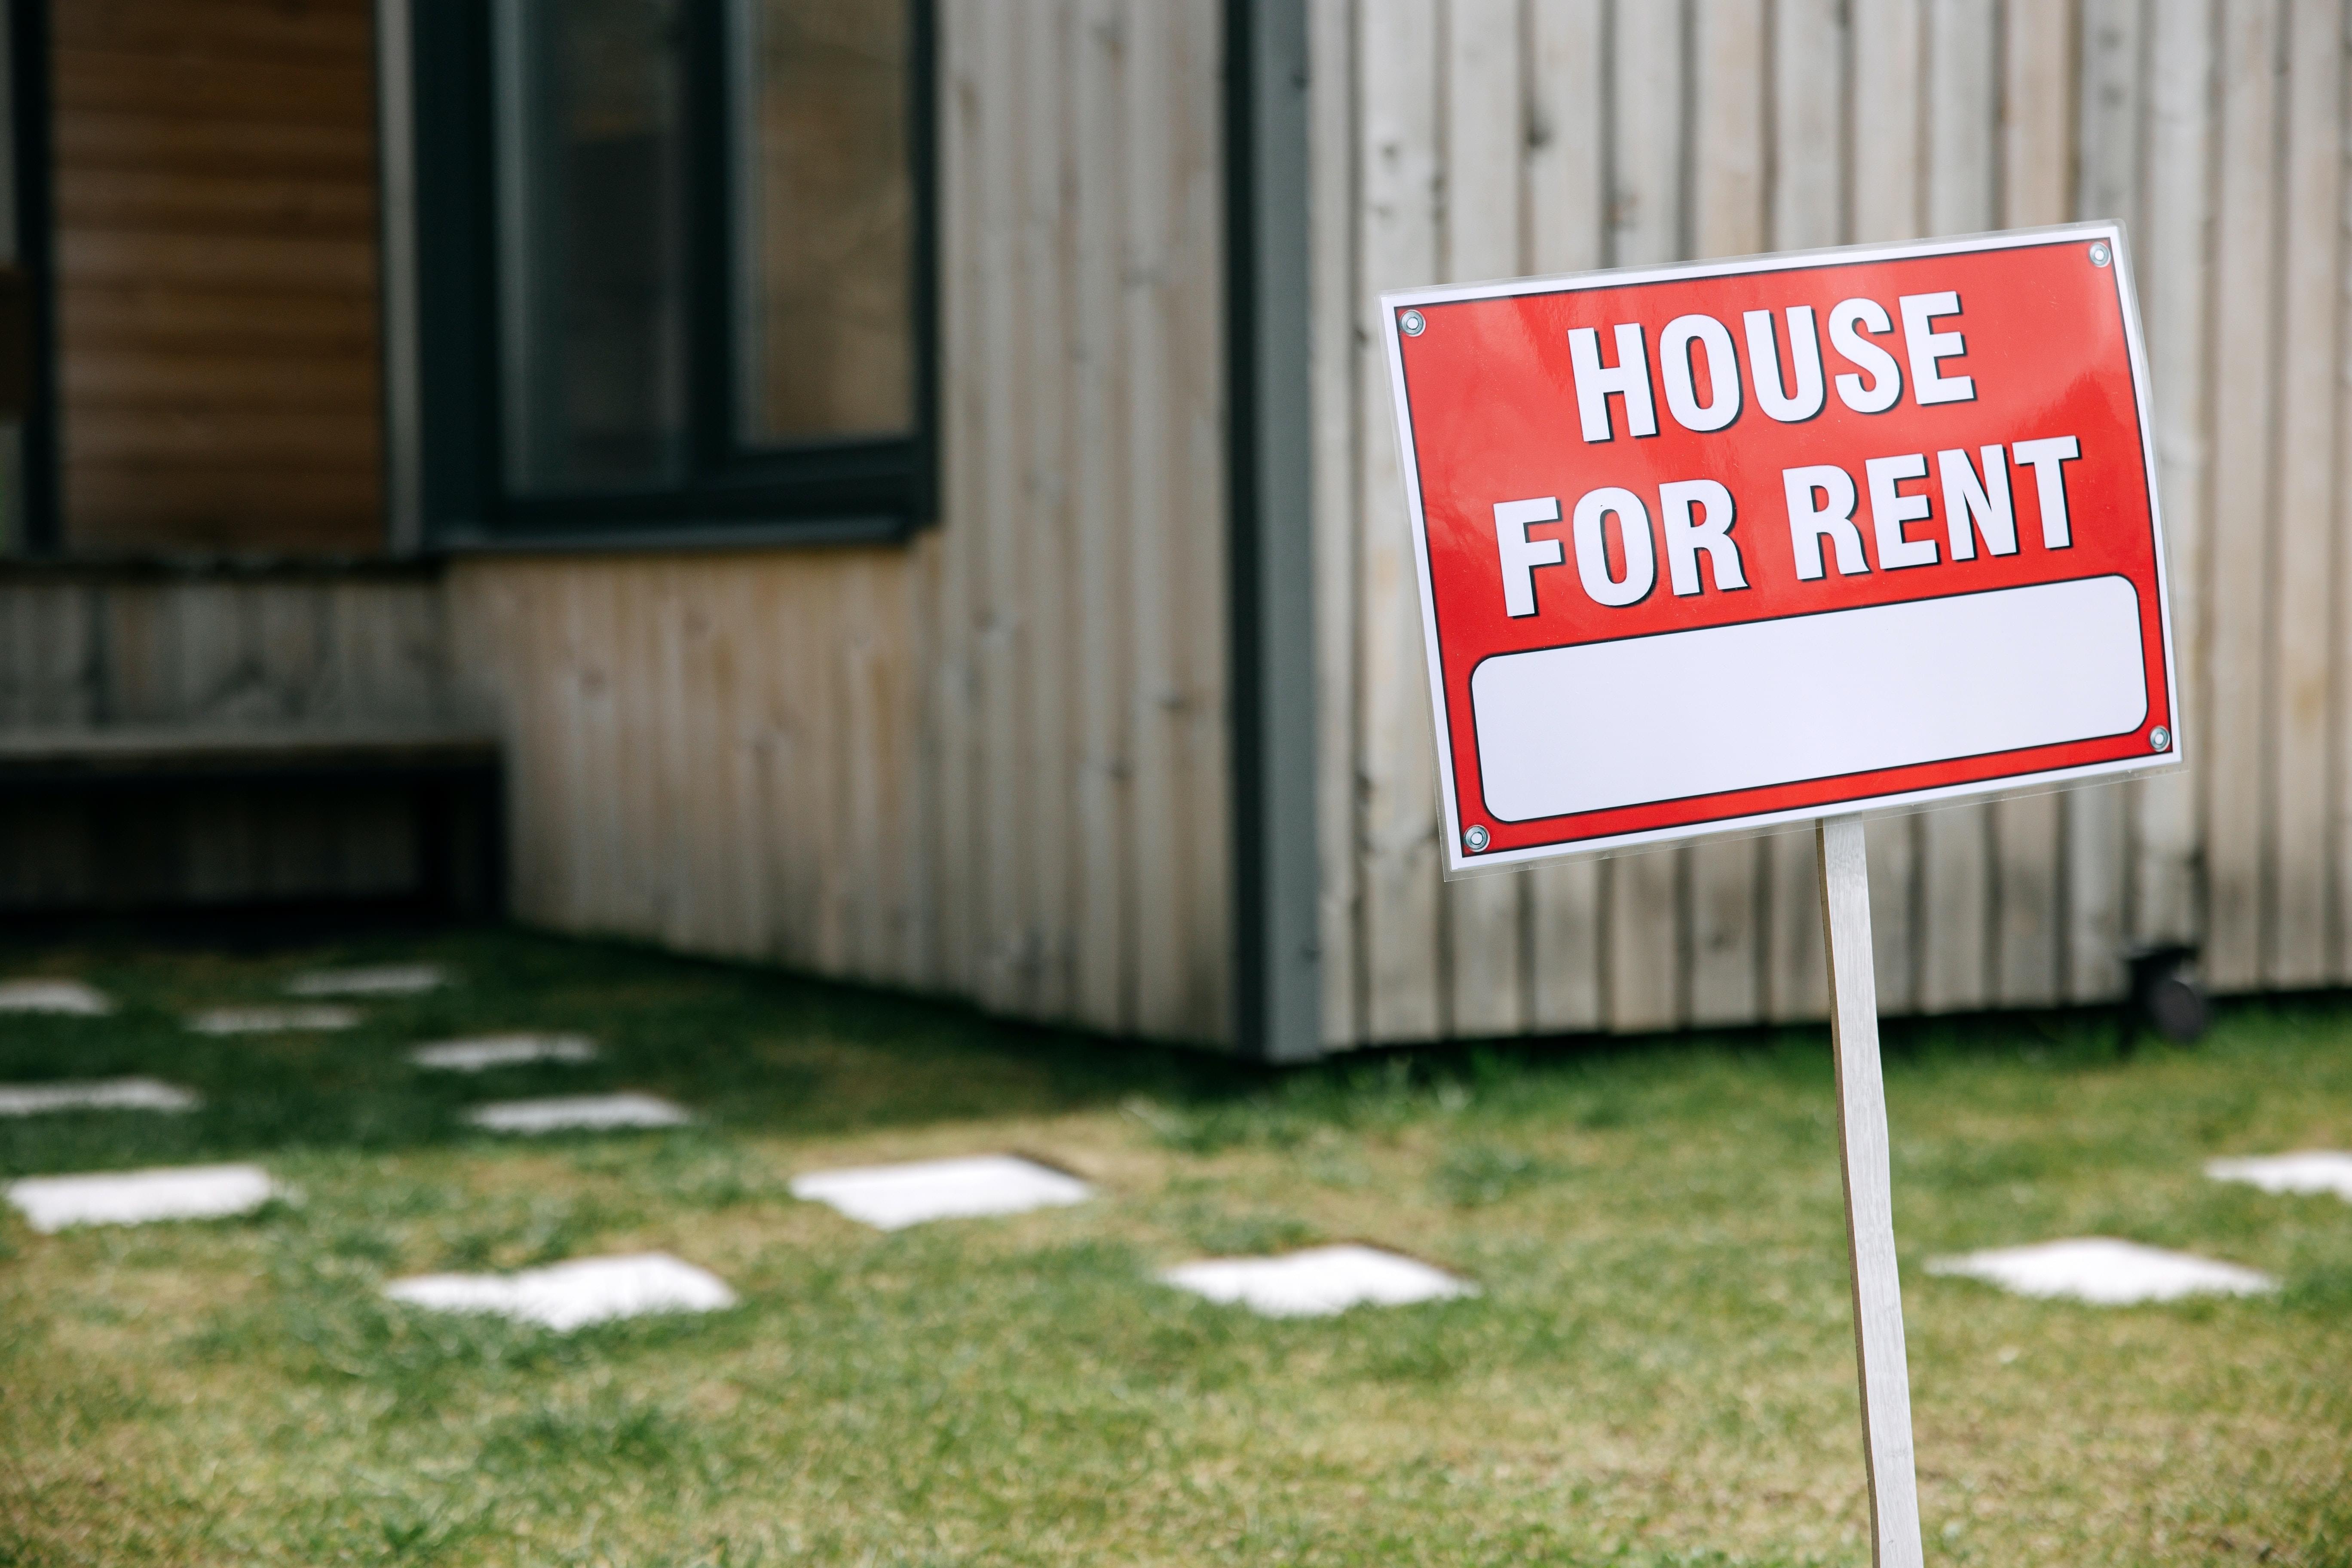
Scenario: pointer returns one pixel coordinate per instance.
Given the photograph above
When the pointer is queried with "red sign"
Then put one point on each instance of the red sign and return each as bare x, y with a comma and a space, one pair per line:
1711, 547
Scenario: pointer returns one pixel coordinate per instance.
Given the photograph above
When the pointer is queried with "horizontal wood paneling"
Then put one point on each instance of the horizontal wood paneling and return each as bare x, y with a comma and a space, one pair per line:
209, 85
269, 206
165, 144
2216, 128
223, 328
127, 378
270, 268
193, 496
217, 256
105, 437
289, 31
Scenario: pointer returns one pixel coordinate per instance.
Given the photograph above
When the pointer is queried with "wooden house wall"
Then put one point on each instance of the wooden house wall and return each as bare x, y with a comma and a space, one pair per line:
97, 649
992, 761
1467, 139
216, 254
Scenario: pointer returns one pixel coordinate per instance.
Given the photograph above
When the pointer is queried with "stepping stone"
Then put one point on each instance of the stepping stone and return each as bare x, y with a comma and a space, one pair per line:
70, 997
891, 1197
482, 1052
378, 980
1318, 1282
273, 1020
2103, 1271
568, 1112
568, 1296
94, 1094
2313, 1170
137, 1197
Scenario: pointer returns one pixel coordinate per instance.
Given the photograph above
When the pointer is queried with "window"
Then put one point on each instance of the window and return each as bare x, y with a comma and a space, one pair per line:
675, 275
826, 221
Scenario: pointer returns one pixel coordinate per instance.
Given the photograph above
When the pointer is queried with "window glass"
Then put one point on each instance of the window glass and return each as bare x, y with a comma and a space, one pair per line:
590, 174
825, 227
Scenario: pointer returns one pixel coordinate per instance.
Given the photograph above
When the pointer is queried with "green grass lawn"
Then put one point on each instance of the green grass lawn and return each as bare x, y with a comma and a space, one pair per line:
1659, 1370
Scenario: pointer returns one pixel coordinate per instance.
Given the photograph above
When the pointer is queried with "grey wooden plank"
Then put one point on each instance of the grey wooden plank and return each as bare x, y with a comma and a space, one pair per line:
2110, 115
1397, 244
2301, 597
1105, 968
2245, 488
2173, 269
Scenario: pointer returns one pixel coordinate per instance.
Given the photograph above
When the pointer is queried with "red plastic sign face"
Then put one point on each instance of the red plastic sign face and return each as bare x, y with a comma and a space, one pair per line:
1708, 548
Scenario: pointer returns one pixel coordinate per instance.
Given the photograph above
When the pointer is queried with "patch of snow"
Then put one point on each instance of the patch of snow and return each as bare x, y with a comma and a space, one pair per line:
94, 1094
2103, 1271
891, 1197
568, 1112
139, 1197
567, 1295
482, 1052
1318, 1282
2312, 1171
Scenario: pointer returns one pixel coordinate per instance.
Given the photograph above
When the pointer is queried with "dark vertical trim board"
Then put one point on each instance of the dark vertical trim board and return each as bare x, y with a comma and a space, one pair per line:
1277, 988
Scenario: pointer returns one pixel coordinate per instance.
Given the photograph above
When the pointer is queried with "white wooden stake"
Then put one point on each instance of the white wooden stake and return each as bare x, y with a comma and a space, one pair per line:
1869, 1199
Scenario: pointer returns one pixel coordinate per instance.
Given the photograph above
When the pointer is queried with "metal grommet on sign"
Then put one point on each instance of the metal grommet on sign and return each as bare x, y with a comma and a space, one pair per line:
1411, 323
2100, 254
2159, 738
1477, 838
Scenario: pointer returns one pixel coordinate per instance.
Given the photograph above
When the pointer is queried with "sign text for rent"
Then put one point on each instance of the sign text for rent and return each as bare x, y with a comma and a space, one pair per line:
1725, 545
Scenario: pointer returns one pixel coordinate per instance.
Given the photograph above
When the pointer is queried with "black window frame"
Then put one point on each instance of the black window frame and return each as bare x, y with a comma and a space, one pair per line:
815, 492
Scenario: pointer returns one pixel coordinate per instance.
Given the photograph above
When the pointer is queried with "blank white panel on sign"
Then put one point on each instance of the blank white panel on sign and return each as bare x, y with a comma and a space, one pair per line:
2313, 1170
2105, 1272
891, 1197
94, 1094
567, 1295
139, 1197
1585, 728
1318, 1282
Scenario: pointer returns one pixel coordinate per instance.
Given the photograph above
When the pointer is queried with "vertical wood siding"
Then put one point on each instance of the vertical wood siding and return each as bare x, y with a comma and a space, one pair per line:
993, 761
1460, 139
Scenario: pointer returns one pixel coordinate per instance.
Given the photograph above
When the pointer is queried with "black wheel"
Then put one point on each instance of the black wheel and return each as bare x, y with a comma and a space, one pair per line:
2174, 1008
2164, 994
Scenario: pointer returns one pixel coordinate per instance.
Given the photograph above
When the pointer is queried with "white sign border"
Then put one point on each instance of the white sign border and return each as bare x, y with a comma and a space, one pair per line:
1394, 302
